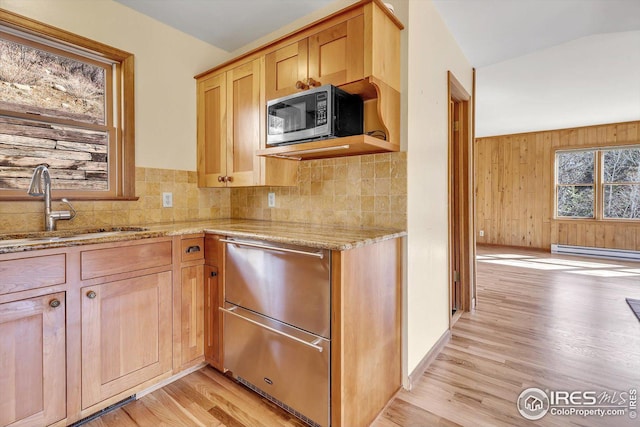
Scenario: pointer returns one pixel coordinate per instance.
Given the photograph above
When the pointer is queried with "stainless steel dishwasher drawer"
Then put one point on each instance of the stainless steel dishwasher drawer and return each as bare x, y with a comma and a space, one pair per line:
279, 362
288, 283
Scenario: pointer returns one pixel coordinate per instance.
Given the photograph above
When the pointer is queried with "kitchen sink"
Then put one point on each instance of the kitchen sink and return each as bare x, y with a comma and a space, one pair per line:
22, 239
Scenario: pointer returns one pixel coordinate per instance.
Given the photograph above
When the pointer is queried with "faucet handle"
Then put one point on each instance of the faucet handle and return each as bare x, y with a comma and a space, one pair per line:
73, 211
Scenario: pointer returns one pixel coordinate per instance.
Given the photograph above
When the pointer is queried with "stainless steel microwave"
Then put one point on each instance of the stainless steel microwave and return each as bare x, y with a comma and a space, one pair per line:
319, 113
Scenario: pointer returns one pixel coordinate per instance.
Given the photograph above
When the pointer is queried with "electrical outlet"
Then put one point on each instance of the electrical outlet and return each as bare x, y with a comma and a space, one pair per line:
481, 233
167, 200
271, 200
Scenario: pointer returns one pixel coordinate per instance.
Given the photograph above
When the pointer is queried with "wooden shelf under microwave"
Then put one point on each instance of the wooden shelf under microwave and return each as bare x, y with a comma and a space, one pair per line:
336, 147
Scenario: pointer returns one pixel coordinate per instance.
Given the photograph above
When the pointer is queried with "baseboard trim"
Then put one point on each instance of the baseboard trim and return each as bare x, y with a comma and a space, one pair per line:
170, 380
428, 358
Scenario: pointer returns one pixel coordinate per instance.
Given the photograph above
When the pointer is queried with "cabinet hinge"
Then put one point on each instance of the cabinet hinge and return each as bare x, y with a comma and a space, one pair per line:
456, 126
456, 276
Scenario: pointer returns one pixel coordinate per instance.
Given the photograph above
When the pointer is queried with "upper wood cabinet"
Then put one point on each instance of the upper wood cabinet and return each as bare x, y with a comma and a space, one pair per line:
332, 56
356, 48
286, 69
231, 128
212, 130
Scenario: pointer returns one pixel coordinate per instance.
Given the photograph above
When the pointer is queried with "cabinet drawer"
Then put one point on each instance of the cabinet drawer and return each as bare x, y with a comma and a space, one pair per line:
271, 356
31, 273
123, 259
192, 249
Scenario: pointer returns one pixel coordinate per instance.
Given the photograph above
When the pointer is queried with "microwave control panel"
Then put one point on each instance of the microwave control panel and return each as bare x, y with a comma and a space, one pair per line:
321, 108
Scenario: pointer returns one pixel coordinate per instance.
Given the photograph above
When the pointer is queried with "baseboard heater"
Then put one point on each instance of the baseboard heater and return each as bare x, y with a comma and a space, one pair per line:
620, 254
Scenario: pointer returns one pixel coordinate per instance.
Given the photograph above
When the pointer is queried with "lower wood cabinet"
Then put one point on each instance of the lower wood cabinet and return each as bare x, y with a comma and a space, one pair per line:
126, 334
213, 318
188, 301
192, 313
33, 361
214, 298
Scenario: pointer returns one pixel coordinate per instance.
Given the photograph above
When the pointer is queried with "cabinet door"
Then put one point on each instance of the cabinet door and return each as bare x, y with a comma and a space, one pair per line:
32, 361
244, 125
212, 324
192, 309
336, 55
285, 68
212, 131
126, 334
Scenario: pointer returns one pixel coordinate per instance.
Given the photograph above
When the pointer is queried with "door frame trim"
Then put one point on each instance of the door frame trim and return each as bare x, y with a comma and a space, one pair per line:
464, 179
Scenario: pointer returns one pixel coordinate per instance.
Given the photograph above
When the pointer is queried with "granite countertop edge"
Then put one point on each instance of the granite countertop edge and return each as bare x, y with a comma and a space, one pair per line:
338, 238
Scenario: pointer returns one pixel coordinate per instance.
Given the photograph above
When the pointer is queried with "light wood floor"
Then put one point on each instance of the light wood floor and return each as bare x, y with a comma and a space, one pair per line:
551, 329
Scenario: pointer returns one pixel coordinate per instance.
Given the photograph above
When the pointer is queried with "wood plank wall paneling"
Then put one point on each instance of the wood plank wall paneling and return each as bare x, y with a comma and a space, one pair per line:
515, 186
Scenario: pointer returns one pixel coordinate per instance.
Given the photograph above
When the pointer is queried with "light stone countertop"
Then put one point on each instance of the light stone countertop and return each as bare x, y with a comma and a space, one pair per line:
311, 235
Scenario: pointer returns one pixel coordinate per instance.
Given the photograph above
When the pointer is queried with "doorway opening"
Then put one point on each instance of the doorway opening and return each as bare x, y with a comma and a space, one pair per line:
461, 272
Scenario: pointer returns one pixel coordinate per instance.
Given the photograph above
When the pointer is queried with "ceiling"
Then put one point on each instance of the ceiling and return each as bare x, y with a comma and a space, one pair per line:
491, 31
227, 24
488, 31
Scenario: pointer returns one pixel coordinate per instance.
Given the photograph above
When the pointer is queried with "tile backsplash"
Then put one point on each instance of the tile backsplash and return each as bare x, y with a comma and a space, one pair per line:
368, 191
189, 203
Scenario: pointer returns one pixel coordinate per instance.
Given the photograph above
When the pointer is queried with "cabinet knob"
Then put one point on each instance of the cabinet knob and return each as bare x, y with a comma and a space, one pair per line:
54, 303
301, 86
228, 178
312, 82
221, 179
91, 295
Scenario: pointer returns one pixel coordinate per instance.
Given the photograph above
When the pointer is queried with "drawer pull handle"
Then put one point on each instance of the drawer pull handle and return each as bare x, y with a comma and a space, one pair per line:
274, 248
54, 303
214, 274
275, 331
91, 295
192, 249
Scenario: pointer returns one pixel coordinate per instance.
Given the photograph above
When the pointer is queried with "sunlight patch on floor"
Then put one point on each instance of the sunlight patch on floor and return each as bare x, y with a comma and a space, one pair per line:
528, 264
604, 273
574, 263
511, 256
586, 268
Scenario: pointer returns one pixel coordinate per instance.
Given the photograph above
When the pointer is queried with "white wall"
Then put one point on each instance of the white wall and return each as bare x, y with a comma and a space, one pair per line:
165, 62
432, 52
588, 81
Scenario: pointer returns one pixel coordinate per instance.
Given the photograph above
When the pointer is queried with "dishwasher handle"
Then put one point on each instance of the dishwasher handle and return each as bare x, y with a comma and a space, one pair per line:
269, 328
273, 248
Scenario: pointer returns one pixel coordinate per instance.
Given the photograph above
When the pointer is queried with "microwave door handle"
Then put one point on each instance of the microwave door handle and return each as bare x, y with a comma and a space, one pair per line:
275, 331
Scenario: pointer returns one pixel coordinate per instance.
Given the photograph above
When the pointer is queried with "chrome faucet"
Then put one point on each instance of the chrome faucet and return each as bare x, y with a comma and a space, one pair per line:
41, 176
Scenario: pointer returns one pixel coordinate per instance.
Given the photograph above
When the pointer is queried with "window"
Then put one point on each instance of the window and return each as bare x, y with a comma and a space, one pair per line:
598, 183
621, 183
68, 102
575, 183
